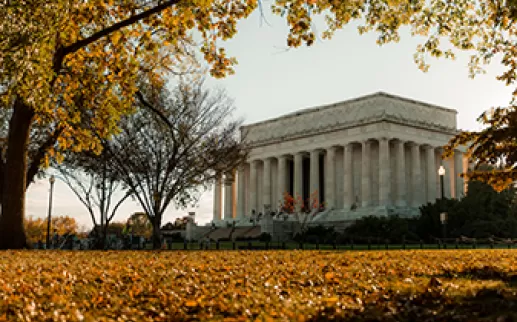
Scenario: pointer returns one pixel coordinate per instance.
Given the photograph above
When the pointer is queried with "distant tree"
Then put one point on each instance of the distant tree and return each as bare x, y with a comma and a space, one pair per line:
116, 228
295, 204
94, 181
113, 232
140, 224
36, 228
169, 155
181, 223
303, 211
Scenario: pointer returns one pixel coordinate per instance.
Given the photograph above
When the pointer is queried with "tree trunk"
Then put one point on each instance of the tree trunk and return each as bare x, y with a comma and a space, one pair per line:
104, 239
157, 236
101, 241
2, 174
12, 232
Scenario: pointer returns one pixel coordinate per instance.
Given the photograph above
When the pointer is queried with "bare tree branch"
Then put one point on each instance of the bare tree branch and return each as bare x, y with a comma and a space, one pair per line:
173, 146
103, 181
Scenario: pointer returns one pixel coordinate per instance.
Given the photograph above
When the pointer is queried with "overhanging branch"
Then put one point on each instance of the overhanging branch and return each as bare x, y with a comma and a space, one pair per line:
119, 25
40, 155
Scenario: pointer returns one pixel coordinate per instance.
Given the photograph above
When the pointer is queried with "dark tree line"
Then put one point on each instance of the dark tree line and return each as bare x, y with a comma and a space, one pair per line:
484, 212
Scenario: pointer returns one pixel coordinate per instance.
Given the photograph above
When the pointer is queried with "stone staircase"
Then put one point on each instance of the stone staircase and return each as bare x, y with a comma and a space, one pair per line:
322, 216
351, 215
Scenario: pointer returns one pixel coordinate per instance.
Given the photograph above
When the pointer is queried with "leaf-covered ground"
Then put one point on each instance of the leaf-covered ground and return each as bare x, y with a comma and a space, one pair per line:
446, 285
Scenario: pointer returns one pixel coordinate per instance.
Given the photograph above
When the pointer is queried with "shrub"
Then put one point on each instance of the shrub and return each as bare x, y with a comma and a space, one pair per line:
393, 229
265, 237
316, 234
503, 228
484, 212
428, 225
175, 237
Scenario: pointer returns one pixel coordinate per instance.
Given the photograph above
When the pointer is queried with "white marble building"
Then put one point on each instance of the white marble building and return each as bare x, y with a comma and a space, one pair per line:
374, 155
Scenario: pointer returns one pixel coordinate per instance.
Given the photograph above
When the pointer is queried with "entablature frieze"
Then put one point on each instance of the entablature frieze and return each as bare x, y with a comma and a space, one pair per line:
342, 140
373, 131
355, 116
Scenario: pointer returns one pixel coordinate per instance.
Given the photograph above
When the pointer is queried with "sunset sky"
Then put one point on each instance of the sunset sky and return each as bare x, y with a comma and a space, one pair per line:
271, 81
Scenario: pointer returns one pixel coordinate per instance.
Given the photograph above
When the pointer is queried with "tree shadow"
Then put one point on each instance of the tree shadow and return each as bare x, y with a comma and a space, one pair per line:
487, 304
483, 273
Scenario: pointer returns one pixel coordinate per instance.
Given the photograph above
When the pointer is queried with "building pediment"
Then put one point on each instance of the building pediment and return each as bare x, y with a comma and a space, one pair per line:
377, 107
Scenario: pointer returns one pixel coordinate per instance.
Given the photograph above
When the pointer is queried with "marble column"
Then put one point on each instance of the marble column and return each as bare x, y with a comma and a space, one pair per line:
348, 179
253, 186
282, 178
401, 174
228, 196
384, 172
266, 193
241, 202
465, 170
234, 197
432, 174
330, 178
458, 170
365, 174
315, 174
218, 198
298, 179
416, 176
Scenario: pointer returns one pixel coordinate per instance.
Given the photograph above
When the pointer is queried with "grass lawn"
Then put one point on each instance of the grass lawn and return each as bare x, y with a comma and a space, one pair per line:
227, 245
411, 285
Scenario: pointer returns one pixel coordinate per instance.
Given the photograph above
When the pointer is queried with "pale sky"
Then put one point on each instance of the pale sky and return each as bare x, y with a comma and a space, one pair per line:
271, 81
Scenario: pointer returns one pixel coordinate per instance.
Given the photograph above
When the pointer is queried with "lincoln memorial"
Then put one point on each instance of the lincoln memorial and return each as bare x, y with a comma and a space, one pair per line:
374, 155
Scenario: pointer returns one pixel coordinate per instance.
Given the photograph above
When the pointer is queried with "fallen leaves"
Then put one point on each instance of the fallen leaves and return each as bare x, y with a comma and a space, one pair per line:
257, 285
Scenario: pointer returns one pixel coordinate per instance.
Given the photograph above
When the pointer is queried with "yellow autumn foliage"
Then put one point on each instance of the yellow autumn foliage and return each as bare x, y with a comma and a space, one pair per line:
36, 228
85, 87
454, 285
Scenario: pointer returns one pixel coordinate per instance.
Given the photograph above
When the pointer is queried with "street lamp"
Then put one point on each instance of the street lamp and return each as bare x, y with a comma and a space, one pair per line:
52, 179
441, 173
443, 215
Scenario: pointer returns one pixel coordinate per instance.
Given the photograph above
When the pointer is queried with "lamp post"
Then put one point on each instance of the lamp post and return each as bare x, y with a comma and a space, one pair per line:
443, 215
441, 173
49, 219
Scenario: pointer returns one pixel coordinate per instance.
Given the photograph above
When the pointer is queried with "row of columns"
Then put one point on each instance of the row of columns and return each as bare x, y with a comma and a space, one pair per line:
248, 188
230, 190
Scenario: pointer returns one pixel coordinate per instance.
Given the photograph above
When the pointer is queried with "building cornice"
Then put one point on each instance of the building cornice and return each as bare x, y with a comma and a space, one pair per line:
349, 102
379, 107
350, 125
